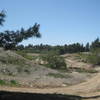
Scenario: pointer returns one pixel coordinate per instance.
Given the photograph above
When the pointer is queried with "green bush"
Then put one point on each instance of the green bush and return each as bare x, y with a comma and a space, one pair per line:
14, 83
25, 55
2, 82
9, 83
54, 61
94, 58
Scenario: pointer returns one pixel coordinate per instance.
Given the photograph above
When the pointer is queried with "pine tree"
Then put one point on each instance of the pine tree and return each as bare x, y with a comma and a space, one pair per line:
87, 47
10, 39
2, 16
95, 44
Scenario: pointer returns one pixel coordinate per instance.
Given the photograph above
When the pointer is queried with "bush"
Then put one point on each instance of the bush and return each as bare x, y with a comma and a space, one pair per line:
14, 83
25, 55
2, 82
9, 83
54, 61
94, 58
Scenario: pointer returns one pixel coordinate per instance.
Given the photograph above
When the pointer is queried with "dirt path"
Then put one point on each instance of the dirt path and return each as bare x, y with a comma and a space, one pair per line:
89, 89
75, 63
91, 96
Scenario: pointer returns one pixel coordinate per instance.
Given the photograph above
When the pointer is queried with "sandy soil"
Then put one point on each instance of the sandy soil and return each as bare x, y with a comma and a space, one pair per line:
86, 89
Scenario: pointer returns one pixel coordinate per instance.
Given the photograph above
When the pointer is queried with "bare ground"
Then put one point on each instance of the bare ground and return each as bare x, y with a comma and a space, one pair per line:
90, 87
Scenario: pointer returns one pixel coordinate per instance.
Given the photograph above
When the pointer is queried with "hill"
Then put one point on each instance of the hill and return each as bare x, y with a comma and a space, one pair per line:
18, 73
24, 72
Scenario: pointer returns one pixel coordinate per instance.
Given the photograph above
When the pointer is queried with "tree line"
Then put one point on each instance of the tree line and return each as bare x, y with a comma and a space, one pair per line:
11, 39
61, 49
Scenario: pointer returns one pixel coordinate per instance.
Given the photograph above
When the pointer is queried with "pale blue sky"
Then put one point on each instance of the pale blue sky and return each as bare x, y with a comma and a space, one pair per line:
62, 21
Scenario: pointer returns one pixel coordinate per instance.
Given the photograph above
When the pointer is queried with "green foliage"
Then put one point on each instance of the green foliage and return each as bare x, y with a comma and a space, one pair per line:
95, 44
9, 83
9, 39
87, 47
2, 16
2, 82
54, 61
14, 83
72, 48
83, 57
60, 49
94, 58
25, 55
22, 53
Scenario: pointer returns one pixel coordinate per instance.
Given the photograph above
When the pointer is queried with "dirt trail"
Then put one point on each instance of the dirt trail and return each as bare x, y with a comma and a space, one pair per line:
74, 62
89, 88
91, 95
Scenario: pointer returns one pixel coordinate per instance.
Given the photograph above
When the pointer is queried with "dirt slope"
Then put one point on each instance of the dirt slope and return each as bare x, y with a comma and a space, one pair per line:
73, 60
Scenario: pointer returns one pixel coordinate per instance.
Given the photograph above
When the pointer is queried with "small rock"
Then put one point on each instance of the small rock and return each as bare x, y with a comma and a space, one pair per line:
64, 85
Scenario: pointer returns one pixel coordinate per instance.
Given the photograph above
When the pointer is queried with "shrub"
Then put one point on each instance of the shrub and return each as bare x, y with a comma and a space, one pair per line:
2, 82
25, 55
94, 58
54, 61
14, 83
9, 83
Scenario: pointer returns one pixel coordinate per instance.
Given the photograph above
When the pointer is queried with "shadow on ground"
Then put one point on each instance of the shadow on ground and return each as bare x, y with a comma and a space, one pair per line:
34, 96
92, 97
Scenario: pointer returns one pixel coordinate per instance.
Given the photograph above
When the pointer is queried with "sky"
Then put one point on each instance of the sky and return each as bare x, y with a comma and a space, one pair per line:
61, 21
